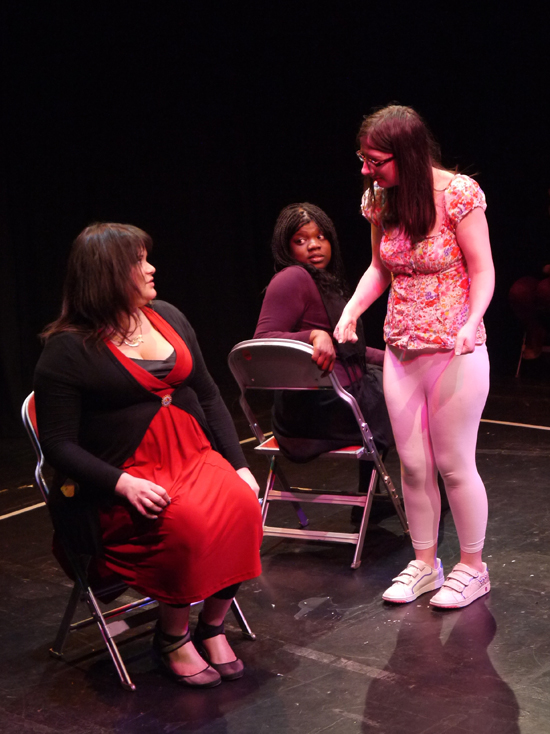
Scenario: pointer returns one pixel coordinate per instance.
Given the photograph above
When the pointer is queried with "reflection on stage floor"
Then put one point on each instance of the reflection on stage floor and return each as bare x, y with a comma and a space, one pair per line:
330, 655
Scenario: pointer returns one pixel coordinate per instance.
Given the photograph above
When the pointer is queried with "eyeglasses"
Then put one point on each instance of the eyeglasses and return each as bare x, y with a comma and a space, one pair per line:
372, 162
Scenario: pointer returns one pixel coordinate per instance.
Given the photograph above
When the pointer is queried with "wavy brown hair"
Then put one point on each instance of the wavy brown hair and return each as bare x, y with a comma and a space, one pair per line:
99, 292
401, 131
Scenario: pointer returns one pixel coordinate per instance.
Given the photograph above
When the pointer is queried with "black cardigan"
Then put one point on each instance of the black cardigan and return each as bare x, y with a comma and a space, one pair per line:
92, 413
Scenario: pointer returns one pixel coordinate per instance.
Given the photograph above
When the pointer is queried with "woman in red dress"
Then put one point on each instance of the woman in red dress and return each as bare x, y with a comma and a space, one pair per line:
127, 409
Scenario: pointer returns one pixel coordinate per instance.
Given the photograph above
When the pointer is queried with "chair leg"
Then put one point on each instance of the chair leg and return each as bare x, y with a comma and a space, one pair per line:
268, 488
365, 519
56, 650
392, 492
241, 620
275, 472
302, 517
109, 642
521, 353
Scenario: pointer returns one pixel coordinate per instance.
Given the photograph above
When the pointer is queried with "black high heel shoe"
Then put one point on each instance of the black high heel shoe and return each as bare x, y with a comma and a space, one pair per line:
164, 644
227, 671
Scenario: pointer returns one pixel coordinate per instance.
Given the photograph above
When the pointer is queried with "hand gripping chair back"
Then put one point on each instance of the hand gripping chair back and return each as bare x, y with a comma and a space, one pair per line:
285, 364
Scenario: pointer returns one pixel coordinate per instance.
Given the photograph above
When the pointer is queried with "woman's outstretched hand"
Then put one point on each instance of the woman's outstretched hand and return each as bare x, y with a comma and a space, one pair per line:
324, 353
248, 477
148, 498
345, 330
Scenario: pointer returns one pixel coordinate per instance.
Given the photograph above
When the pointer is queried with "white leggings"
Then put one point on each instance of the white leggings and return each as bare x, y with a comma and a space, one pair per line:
435, 401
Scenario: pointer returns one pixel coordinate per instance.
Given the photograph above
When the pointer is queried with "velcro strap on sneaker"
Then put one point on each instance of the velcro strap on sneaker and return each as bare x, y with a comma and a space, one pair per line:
455, 584
459, 579
411, 572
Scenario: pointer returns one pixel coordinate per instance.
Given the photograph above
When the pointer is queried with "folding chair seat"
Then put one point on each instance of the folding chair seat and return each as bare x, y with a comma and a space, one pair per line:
92, 585
285, 364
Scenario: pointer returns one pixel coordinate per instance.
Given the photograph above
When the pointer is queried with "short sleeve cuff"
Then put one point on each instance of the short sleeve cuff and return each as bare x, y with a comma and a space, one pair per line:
463, 196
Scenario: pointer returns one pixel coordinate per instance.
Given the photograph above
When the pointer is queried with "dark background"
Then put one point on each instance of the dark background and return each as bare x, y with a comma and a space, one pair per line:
198, 122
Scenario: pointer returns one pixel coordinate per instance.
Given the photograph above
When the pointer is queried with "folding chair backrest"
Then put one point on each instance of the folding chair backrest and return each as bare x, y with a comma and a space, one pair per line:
28, 414
276, 364
285, 364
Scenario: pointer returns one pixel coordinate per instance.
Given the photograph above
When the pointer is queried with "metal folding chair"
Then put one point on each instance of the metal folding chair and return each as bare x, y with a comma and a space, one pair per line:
111, 622
285, 364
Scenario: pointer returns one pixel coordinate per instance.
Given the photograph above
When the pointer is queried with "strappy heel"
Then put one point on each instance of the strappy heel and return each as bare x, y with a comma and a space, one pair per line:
203, 631
164, 644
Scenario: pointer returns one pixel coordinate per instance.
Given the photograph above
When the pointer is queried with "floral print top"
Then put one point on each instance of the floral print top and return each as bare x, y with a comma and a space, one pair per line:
429, 295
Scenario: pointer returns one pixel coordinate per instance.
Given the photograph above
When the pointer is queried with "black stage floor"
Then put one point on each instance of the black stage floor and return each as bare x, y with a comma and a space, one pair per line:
330, 656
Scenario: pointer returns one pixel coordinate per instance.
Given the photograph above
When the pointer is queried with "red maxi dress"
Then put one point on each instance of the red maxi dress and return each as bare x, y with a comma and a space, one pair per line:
209, 536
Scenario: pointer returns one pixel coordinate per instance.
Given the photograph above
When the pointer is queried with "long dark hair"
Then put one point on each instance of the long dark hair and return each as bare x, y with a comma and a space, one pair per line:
332, 278
401, 132
100, 291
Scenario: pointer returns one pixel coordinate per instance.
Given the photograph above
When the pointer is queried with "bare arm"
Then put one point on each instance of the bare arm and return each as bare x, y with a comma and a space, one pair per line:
472, 234
371, 286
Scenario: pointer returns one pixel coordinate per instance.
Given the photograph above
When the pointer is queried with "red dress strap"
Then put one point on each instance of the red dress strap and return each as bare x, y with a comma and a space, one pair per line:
180, 371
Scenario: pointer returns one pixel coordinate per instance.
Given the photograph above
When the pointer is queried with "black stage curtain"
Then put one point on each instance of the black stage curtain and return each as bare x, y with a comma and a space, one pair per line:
199, 122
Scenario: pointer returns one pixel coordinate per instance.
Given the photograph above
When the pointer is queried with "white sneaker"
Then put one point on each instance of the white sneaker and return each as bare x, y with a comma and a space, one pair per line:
462, 586
416, 579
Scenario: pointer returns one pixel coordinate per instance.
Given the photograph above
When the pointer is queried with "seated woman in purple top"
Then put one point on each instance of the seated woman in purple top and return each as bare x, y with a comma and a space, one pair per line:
303, 301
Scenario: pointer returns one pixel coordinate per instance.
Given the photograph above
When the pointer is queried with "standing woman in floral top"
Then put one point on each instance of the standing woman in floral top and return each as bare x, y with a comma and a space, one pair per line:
430, 240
